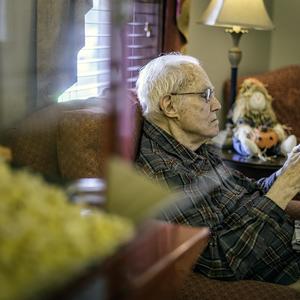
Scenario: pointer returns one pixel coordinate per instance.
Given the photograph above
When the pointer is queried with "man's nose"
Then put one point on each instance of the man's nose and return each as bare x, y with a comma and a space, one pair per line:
215, 104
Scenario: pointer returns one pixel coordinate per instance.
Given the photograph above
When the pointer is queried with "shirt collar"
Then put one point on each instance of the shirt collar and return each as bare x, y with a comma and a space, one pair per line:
170, 144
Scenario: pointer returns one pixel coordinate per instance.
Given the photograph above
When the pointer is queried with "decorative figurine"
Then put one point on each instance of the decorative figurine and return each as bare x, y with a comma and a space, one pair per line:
256, 129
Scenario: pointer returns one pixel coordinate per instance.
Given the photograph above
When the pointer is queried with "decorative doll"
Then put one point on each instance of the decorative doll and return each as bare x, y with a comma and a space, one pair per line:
256, 129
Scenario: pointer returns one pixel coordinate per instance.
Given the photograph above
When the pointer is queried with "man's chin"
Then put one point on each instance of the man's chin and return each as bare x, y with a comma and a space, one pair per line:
216, 132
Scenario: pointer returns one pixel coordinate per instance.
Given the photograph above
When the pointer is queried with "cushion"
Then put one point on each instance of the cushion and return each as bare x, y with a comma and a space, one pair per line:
288, 110
33, 142
81, 147
199, 287
84, 135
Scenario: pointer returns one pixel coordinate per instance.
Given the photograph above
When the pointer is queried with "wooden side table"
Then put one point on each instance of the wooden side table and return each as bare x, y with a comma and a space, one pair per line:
153, 265
251, 167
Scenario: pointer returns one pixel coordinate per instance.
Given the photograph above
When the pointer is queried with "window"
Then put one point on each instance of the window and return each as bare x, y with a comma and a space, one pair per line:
93, 63
144, 40
93, 59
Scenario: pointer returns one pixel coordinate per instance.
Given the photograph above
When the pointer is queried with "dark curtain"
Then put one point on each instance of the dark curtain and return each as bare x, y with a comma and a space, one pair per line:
176, 23
60, 35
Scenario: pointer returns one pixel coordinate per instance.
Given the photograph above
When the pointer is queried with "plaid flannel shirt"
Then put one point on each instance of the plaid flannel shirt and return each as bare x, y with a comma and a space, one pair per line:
250, 235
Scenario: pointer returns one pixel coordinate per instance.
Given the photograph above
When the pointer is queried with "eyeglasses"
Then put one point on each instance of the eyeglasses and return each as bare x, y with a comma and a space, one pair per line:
206, 94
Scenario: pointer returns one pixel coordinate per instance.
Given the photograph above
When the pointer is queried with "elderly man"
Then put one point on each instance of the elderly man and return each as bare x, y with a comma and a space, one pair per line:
251, 233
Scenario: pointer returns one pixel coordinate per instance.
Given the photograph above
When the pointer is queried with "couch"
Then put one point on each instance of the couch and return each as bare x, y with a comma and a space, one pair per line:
283, 85
63, 140
69, 140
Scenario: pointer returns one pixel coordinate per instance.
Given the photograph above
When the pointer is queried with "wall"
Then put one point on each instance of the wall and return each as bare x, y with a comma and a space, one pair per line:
211, 45
285, 43
16, 60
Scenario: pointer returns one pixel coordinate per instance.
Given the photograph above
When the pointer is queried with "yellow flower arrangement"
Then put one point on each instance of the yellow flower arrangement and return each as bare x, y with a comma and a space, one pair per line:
5, 153
43, 239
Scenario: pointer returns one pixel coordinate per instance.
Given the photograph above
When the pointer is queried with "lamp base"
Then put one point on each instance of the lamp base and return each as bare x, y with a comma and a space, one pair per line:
235, 56
233, 85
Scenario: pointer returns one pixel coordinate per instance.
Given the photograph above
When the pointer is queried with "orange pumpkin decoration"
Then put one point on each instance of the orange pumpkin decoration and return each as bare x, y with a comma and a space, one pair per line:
265, 139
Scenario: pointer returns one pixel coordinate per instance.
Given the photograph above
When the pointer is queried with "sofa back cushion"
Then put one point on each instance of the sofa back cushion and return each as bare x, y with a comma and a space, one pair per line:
86, 139
33, 141
288, 111
82, 143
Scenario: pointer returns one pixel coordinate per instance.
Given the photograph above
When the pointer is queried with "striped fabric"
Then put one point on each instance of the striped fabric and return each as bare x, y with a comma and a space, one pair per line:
251, 236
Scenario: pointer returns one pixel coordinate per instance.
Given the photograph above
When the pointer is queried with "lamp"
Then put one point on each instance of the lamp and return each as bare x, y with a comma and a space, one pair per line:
237, 16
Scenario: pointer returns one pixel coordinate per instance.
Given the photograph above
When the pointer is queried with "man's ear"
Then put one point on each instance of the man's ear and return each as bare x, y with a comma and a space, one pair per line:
168, 107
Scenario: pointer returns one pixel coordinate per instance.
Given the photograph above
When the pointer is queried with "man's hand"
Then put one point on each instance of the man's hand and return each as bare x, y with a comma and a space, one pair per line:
287, 185
293, 209
291, 159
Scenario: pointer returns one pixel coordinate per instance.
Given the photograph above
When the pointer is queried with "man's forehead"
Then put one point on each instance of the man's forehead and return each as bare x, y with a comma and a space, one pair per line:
201, 79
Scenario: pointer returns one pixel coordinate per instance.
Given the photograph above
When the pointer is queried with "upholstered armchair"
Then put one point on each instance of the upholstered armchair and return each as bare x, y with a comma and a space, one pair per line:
69, 140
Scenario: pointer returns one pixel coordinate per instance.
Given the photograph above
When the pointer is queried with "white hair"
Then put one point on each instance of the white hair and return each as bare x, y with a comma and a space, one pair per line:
170, 73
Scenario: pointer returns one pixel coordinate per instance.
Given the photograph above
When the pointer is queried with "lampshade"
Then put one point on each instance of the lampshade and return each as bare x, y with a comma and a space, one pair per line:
243, 13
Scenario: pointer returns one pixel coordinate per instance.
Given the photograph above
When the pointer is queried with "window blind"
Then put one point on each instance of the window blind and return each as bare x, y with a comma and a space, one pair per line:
143, 37
93, 64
